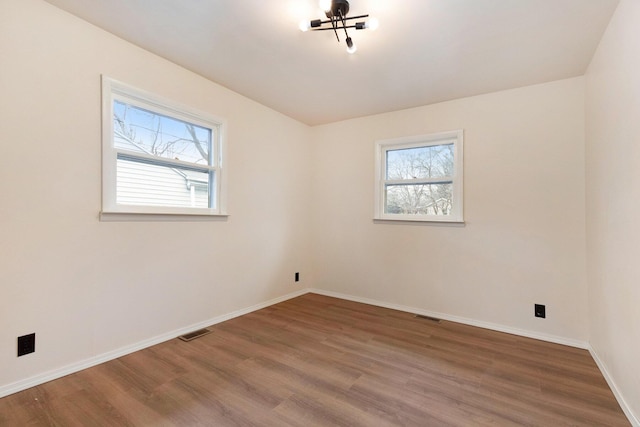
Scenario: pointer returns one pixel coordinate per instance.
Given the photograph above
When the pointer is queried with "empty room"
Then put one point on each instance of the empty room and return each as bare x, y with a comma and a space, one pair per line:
303, 213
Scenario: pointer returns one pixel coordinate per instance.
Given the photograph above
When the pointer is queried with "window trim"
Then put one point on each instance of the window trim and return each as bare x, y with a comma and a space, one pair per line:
440, 138
115, 90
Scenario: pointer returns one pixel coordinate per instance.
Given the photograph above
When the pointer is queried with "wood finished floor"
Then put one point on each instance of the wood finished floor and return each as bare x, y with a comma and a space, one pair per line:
320, 361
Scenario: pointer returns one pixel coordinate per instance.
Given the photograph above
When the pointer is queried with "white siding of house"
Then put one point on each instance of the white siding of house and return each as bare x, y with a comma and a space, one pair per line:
152, 185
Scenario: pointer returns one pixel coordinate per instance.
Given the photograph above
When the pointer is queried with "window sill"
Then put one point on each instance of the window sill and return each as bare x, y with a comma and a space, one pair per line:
167, 217
417, 221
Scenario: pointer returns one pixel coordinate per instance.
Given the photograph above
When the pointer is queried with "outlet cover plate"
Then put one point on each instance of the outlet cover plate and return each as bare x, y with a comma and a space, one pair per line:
26, 344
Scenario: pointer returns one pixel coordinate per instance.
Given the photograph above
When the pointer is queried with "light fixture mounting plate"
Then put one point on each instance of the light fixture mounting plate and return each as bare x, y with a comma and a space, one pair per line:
338, 8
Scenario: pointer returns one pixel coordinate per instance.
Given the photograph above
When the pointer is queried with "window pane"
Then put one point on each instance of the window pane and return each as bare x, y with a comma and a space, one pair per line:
143, 183
423, 199
421, 162
139, 130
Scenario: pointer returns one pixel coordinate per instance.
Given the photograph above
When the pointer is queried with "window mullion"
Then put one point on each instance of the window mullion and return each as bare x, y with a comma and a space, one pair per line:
162, 161
425, 181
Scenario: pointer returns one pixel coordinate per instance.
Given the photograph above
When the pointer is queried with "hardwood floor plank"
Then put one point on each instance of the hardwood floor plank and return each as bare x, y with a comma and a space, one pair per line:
321, 361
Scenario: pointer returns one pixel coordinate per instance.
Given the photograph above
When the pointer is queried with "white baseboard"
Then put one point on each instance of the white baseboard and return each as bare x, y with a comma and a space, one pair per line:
486, 325
105, 357
633, 419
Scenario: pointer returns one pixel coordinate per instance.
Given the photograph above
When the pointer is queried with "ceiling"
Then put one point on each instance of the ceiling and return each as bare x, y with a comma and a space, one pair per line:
424, 51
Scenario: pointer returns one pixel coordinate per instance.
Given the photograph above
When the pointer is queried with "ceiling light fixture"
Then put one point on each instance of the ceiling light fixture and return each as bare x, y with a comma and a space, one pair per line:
336, 11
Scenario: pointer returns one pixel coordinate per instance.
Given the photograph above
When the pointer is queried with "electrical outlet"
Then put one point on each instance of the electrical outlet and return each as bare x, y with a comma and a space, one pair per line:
540, 310
26, 344
297, 277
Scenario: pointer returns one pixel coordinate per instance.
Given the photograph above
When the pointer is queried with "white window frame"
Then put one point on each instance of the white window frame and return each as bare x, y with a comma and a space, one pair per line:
383, 146
113, 90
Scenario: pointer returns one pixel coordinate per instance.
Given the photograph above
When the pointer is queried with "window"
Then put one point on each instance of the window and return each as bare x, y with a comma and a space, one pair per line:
159, 157
420, 178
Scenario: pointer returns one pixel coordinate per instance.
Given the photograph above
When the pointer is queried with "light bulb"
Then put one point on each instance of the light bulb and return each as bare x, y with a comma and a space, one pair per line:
351, 47
372, 24
325, 5
304, 25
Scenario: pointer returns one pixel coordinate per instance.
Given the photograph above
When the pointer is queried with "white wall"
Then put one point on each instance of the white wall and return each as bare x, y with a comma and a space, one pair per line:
523, 241
613, 201
88, 287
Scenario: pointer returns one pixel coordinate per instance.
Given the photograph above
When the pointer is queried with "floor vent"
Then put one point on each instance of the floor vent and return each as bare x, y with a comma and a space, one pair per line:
433, 319
195, 334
